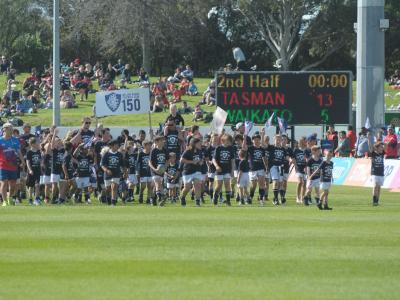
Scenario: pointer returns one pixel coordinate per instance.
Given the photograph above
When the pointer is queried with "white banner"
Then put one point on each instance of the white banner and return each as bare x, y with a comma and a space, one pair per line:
219, 119
122, 102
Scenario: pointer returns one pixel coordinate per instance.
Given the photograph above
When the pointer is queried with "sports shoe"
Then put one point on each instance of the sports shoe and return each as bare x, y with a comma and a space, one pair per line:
4, 203
305, 200
88, 201
30, 202
37, 202
319, 205
228, 203
283, 201
198, 202
161, 202
375, 202
275, 202
326, 207
183, 201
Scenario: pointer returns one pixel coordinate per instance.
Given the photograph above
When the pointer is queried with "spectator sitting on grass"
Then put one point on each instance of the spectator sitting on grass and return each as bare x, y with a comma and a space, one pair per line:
198, 113
4, 65
35, 98
67, 100
118, 67
187, 73
209, 94
24, 105
126, 75
186, 109
183, 86
192, 89
143, 77
105, 82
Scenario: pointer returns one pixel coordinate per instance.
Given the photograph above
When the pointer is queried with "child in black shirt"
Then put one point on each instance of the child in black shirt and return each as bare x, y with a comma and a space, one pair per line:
313, 175
326, 171
377, 171
33, 164
172, 176
157, 164
243, 177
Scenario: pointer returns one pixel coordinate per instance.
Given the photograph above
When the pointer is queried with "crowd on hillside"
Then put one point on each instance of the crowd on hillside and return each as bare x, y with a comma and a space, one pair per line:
76, 81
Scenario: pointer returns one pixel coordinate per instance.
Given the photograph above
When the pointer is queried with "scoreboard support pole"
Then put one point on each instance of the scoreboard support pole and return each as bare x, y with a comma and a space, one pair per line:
370, 27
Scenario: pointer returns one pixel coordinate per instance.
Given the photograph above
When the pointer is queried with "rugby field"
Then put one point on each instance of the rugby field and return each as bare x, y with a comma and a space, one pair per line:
140, 252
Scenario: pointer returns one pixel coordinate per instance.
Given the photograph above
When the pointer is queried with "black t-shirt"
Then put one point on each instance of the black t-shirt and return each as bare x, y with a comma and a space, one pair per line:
256, 155
130, 162
277, 155
286, 165
172, 142
179, 121
83, 167
224, 156
57, 161
244, 166
143, 164
314, 165
86, 136
98, 146
189, 169
69, 165
377, 164
158, 157
113, 162
236, 149
47, 163
209, 154
35, 159
172, 169
326, 171
301, 160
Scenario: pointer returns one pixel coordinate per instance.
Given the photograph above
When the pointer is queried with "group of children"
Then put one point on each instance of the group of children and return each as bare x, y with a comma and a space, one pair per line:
171, 166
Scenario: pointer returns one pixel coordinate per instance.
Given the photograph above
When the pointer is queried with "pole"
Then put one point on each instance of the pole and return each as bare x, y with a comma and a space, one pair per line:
56, 63
370, 27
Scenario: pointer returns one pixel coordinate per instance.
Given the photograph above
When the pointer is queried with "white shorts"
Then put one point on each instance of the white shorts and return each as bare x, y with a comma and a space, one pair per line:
284, 177
378, 180
108, 182
255, 174
55, 178
45, 179
172, 185
276, 173
82, 182
235, 173
190, 178
131, 179
146, 179
325, 186
313, 183
222, 177
267, 175
244, 180
301, 175
156, 177
211, 175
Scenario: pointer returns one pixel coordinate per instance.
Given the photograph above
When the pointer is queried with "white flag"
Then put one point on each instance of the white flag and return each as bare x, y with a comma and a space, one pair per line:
219, 119
367, 124
248, 126
269, 122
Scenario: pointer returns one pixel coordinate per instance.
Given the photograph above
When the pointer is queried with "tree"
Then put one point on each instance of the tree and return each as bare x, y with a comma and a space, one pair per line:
284, 26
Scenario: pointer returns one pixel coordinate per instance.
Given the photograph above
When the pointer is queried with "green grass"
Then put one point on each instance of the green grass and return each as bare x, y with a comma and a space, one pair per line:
139, 252
72, 117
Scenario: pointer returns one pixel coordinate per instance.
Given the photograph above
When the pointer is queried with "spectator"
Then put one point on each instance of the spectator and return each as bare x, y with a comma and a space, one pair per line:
364, 141
118, 67
67, 100
111, 72
158, 105
186, 109
192, 90
391, 143
187, 73
343, 149
143, 77
352, 136
24, 105
198, 113
239, 57
4, 65
126, 75
35, 98
332, 135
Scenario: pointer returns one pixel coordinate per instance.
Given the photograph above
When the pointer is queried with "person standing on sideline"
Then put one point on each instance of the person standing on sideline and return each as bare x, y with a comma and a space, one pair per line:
9, 153
391, 144
240, 59
352, 136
